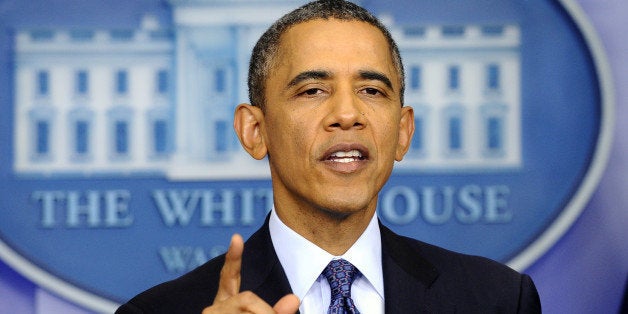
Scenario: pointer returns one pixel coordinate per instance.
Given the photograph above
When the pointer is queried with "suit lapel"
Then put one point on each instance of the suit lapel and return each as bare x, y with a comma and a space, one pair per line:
407, 275
261, 271
408, 278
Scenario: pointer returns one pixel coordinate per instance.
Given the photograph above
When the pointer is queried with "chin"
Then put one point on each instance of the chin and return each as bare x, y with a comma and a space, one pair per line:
346, 207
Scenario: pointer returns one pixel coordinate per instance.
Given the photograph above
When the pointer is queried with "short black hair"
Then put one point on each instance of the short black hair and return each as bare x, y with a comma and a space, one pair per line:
265, 50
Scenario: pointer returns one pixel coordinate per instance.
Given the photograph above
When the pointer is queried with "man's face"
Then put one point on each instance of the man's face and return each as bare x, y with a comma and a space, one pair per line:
333, 122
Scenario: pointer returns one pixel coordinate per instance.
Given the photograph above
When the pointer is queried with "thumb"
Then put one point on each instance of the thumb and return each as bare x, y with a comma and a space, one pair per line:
229, 284
289, 304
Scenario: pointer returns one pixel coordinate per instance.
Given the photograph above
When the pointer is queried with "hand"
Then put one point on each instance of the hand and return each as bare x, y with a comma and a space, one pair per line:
229, 299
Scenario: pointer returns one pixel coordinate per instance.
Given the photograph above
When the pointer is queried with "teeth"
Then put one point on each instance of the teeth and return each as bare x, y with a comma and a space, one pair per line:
345, 157
344, 160
351, 153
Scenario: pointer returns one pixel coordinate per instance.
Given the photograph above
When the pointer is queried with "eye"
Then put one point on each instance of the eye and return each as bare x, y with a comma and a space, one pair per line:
311, 92
371, 91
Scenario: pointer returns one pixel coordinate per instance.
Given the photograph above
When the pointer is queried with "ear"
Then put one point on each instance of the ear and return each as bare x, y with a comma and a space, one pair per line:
247, 122
406, 130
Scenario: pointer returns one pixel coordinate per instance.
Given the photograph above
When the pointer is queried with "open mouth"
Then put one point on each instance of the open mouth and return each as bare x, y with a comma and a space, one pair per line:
346, 153
346, 156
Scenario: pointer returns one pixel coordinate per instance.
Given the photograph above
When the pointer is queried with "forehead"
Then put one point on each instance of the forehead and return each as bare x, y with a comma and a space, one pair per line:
322, 24
320, 43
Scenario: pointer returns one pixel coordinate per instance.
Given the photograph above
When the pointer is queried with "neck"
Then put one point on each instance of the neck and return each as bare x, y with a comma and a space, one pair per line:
333, 232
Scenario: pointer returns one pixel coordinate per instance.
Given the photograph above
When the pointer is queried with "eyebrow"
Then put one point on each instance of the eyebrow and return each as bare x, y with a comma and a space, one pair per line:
377, 76
309, 75
322, 74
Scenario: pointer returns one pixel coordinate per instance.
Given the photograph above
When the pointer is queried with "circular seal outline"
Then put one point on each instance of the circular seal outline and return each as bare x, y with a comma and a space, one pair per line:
578, 202
521, 261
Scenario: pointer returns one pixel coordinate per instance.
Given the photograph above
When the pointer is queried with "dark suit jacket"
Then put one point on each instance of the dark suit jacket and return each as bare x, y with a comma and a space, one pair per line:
418, 278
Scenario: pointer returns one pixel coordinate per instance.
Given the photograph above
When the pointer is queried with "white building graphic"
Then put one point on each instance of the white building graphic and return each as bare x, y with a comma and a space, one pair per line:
93, 101
464, 84
159, 100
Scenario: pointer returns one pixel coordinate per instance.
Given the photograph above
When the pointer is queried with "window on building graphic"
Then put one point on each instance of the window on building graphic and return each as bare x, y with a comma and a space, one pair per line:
495, 131
493, 77
494, 126
121, 133
418, 140
453, 78
220, 77
43, 83
162, 82
221, 136
414, 31
160, 136
42, 35
119, 122
42, 137
80, 35
493, 30
415, 77
122, 34
40, 127
81, 129
160, 131
455, 133
82, 82
161, 35
122, 82
453, 31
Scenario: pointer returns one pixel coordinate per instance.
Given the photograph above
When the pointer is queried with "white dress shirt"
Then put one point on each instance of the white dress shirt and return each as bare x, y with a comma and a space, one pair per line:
303, 263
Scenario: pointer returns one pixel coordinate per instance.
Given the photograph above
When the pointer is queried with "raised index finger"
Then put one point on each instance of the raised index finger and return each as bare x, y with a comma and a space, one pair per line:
229, 284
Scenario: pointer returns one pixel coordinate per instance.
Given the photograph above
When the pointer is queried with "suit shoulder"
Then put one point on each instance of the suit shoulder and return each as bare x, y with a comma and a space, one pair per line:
189, 293
450, 261
476, 281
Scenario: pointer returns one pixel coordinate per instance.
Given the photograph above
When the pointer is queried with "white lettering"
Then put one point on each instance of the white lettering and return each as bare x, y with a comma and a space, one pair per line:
83, 206
247, 205
90, 209
469, 204
470, 210
410, 205
225, 207
496, 204
221, 203
117, 208
48, 201
181, 259
176, 206
431, 213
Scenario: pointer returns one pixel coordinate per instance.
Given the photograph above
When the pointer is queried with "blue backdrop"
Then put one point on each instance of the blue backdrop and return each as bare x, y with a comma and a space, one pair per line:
584, 272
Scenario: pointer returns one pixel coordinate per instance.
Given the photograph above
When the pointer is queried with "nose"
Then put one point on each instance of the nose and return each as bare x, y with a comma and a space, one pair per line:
345, 112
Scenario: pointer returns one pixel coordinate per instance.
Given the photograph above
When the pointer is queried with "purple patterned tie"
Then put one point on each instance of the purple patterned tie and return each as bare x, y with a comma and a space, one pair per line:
340, 275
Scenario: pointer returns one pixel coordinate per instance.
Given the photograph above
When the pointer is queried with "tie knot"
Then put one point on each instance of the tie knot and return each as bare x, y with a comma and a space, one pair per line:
340, 275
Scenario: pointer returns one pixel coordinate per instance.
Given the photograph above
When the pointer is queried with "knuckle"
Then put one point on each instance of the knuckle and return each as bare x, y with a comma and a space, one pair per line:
207, 310
248, 297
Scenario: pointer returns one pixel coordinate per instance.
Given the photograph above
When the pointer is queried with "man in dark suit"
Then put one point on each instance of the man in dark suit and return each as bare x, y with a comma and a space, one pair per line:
326, 88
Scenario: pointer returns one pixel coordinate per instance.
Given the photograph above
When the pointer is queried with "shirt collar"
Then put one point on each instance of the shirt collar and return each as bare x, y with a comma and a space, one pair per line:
303, 261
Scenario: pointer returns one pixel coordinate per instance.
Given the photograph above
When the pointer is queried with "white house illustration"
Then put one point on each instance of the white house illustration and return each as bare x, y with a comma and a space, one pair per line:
159, 100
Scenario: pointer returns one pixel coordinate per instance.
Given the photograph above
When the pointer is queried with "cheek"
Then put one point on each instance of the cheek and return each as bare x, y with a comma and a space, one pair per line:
286, 137
300, 139
387, 130
388, 137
